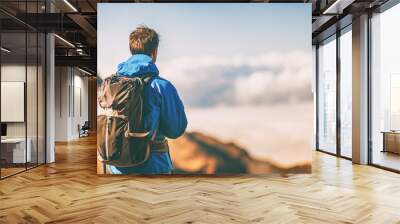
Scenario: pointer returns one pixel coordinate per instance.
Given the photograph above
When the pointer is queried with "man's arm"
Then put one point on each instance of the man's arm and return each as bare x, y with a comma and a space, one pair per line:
173, 120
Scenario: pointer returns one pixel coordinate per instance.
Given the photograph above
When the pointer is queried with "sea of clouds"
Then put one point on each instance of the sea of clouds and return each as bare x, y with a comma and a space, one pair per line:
270, 78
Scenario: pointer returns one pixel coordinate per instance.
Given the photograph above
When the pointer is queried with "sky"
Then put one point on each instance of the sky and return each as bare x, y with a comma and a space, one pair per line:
218, 54
204, 29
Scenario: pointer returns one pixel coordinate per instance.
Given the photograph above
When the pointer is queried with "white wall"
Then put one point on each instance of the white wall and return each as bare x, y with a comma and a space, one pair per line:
61, 103
12, 73
80, 84
70, 83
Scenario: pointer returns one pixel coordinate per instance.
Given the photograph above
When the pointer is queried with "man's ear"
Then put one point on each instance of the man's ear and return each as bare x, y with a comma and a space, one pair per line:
154, 55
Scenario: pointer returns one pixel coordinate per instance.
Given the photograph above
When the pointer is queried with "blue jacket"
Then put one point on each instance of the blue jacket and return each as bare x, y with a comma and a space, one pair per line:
163, 109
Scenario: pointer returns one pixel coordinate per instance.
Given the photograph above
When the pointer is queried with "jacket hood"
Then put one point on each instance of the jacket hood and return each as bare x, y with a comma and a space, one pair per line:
137, 65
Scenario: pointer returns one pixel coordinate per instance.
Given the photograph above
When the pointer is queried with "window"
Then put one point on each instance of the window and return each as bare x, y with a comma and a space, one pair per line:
14, 151
394, 102
346, 92
22, 92
327, 95
385, 89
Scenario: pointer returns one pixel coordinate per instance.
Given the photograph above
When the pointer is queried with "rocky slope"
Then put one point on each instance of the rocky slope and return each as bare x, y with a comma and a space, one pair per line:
198, 153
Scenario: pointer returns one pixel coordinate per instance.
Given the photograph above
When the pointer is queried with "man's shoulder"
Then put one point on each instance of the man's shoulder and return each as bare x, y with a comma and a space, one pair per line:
159, 82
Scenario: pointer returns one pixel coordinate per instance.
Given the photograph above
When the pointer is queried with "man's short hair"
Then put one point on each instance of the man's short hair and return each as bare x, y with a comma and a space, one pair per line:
143, 40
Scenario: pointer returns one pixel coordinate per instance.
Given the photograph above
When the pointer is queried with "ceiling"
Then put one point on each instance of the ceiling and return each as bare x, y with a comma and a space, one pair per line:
75, 21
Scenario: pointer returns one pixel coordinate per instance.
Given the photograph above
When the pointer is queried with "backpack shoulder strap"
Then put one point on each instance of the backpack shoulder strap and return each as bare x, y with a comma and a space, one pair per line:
147, 78
153, 137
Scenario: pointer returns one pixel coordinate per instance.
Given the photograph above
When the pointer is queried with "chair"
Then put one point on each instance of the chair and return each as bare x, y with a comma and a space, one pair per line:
84, 130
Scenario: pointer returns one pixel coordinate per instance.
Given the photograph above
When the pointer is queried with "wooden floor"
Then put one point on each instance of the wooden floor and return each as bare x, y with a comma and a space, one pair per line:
70, 191
387, 159
10, 171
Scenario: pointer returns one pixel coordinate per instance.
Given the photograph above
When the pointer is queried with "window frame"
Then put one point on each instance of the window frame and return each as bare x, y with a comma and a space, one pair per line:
337, 34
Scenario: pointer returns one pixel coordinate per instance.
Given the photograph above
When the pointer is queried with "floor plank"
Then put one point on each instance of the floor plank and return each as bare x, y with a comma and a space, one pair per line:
70, 191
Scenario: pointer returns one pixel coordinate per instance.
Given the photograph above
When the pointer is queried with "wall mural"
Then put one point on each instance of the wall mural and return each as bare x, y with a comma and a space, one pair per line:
204, 89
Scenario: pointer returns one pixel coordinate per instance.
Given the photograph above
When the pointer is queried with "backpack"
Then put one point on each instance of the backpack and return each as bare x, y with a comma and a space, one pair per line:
121, 138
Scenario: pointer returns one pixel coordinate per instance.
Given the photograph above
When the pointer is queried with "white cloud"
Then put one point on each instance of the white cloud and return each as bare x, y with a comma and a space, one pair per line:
263, 79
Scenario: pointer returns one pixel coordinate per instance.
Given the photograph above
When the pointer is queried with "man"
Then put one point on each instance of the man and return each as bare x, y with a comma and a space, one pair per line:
164, 113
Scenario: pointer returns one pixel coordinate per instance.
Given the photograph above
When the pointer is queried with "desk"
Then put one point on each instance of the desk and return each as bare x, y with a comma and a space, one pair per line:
13, 150
391, 141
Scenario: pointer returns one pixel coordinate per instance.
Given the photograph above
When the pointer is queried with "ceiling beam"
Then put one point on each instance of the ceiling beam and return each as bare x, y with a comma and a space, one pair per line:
320, 22
78, 61
338, 6
84, 24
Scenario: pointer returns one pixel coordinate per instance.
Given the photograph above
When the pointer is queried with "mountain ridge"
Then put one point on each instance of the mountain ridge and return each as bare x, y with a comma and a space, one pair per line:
198, 153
